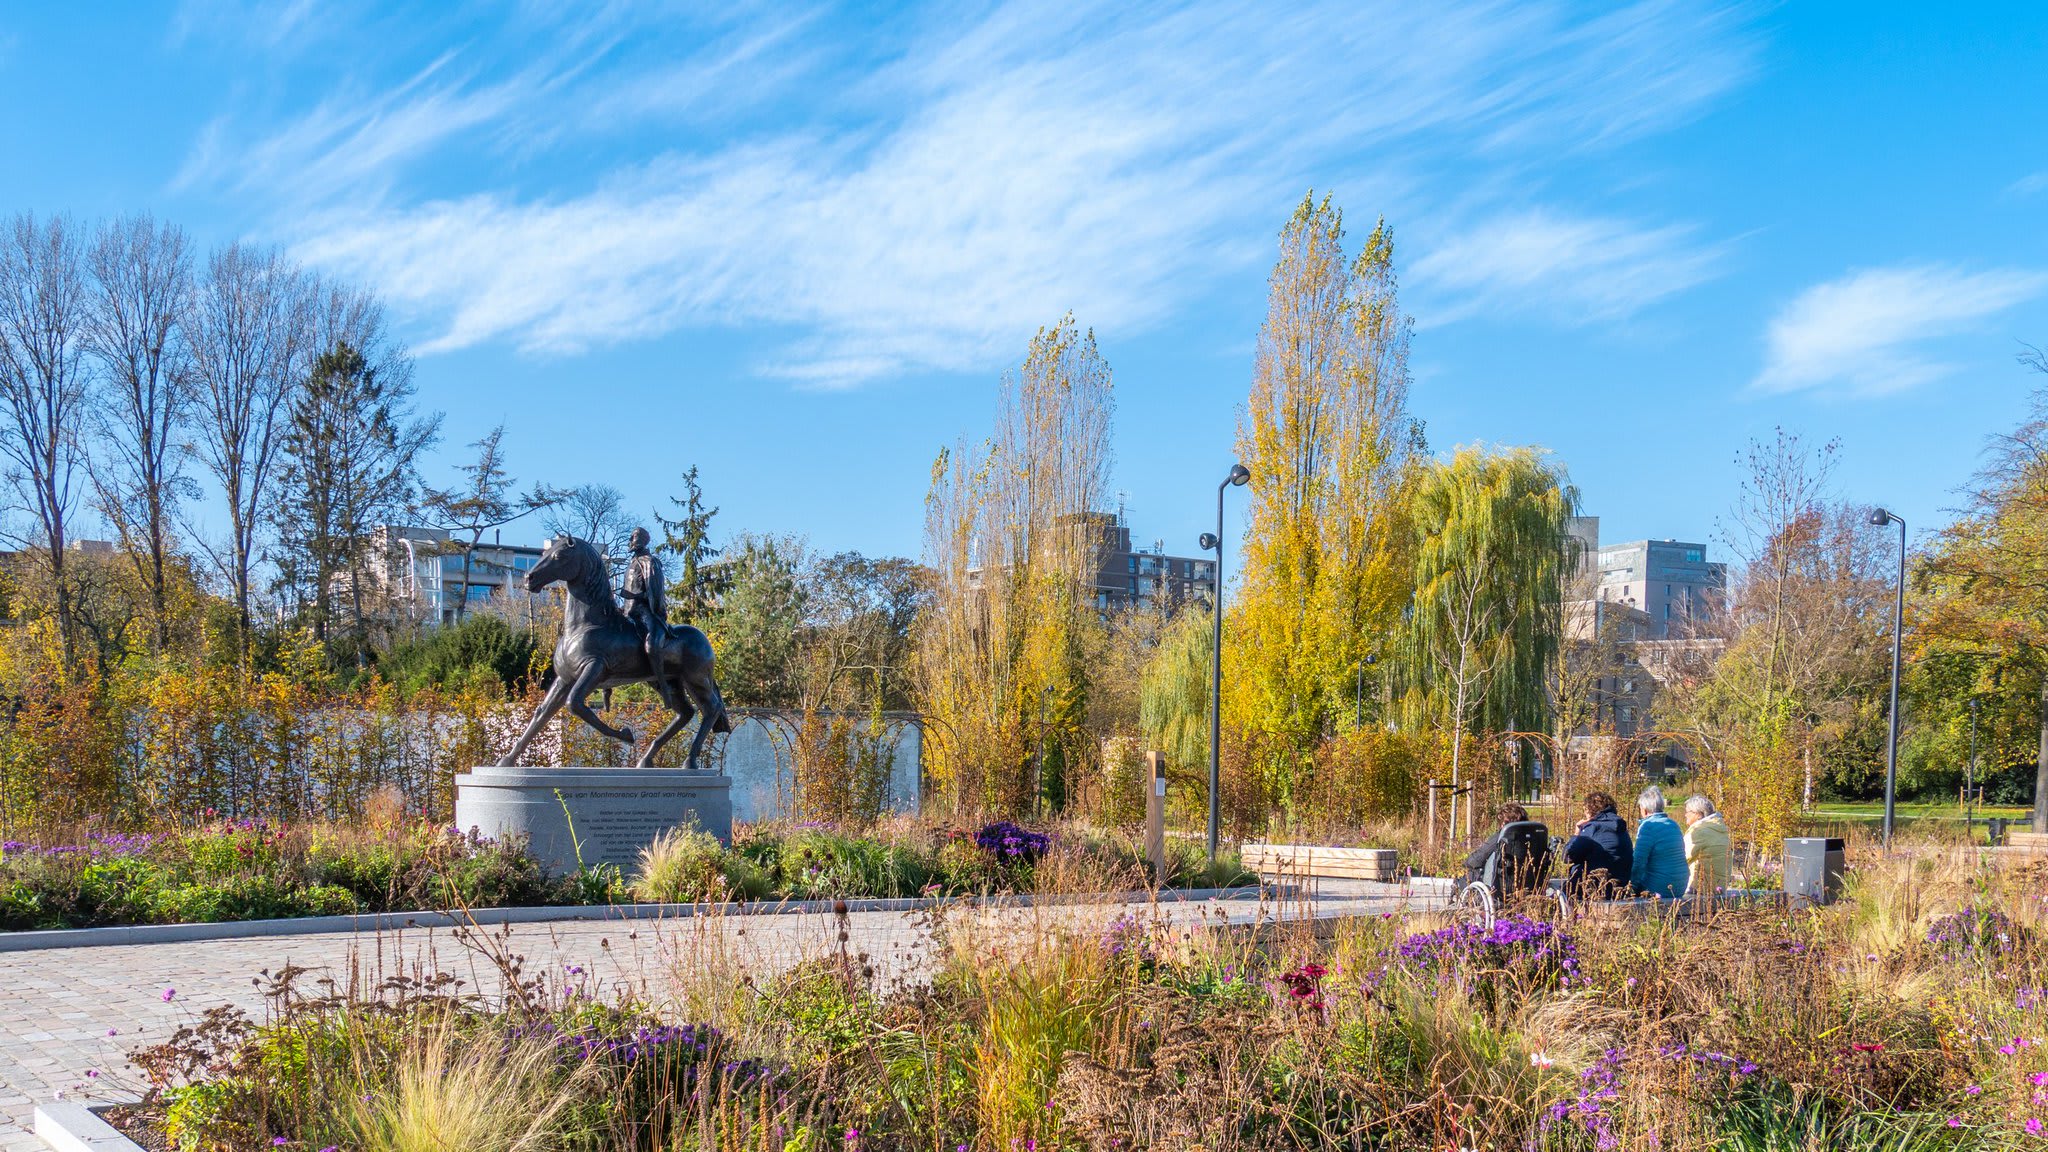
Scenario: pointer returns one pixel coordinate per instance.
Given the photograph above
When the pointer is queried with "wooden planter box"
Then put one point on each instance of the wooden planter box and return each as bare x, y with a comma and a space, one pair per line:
1303, 860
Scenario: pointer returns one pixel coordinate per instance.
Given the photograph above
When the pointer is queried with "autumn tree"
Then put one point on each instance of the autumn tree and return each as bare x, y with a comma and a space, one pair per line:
1012, 530
1797, 692
1984, 605
1331, 448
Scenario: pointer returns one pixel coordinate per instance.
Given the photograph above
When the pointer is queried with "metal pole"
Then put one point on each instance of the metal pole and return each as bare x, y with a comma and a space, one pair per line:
1891, 743
1970, 780
1216, 686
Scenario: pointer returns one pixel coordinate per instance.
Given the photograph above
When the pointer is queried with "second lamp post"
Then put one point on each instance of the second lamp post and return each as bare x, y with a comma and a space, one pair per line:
1238, 475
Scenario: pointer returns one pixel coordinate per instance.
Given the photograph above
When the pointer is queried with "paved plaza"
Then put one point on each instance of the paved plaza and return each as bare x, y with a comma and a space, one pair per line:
69, 1016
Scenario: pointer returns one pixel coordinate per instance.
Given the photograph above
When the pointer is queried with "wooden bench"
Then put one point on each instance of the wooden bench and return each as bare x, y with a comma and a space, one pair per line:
1306, 860
2027, 841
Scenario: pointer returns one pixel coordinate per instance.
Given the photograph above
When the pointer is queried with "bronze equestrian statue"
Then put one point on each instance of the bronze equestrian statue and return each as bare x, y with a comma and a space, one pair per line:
602, 648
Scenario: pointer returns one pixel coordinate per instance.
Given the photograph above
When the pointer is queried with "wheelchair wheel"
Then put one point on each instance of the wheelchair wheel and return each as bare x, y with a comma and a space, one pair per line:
1475, 903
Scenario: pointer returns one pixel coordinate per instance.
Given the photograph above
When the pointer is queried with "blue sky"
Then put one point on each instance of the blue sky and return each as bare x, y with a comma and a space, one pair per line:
796, 246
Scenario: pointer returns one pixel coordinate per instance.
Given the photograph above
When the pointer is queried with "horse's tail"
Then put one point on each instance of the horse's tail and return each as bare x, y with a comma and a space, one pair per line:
724, 722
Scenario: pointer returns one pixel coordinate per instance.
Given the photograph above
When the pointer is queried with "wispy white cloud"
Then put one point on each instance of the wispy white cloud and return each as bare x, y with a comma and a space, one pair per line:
1866, 333
2029, 185
928, 204
1574, 269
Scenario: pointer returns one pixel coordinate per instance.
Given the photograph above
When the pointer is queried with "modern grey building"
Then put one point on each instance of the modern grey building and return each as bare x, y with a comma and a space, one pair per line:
1125, 577
422, 569
1671, 582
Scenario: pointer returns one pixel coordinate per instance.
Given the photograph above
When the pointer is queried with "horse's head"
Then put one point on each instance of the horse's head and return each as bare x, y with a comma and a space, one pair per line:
564, 558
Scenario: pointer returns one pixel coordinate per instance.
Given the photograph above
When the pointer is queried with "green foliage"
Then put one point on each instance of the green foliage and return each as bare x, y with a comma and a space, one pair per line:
1174, 695
758, 622
481, 649
687, 537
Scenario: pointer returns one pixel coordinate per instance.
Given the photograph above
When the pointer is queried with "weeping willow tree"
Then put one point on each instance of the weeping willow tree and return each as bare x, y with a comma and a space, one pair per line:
1173, 694
1011, 531
1331, 448
1492, 556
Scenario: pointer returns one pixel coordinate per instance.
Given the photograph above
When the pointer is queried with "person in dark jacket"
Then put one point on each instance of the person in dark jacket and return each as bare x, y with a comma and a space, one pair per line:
1601, 856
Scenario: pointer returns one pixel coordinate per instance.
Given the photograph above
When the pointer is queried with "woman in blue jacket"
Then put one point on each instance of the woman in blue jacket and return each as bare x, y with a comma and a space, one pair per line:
1660, 849
1601, 857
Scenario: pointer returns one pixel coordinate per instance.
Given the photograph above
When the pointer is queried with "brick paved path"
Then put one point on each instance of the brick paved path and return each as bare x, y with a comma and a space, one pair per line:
68, 1017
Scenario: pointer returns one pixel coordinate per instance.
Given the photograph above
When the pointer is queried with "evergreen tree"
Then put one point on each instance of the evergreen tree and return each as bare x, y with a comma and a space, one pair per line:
688, 538
350, 446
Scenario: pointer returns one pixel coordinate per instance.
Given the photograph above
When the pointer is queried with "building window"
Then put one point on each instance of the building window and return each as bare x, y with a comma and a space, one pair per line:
1130, 563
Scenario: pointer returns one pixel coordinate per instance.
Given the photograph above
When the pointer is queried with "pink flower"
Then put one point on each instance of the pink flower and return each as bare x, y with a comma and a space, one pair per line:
2033, 1125
1955, 1121
1974, 1090
2040, 1079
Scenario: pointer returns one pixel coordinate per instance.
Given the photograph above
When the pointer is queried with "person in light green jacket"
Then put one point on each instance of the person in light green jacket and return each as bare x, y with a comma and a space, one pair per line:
1706, 848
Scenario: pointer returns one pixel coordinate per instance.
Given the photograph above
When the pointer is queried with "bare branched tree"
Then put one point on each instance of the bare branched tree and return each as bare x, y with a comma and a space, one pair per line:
486, 499
140, 276
250, 330
43, 385
597, 513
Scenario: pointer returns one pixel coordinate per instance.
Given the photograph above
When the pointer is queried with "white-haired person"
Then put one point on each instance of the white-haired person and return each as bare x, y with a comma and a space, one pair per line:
1660, 864
1706, 846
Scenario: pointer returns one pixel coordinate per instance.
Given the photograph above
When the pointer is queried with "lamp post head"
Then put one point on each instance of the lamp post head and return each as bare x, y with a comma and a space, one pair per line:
1879, 518
1209, 541
1238, 475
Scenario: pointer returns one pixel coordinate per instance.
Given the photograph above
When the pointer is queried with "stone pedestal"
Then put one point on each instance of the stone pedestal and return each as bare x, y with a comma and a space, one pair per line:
614, 812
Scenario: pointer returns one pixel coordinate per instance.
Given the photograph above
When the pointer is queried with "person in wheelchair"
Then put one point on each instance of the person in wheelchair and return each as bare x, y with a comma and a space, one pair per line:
1514, 860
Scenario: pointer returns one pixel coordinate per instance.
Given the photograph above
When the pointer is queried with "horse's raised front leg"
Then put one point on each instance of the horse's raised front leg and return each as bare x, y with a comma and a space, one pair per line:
579, 707
549, 705
683, 713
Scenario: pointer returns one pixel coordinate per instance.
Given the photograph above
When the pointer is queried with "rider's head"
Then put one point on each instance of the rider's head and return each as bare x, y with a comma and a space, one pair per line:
638, 539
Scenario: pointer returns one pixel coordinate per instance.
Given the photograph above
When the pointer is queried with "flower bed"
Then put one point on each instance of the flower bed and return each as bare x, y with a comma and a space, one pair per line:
248, 870
1822, 1029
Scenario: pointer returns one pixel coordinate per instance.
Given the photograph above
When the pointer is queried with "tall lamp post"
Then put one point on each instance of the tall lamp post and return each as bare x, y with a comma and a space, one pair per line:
1238, 475
1970, 780
1879, 518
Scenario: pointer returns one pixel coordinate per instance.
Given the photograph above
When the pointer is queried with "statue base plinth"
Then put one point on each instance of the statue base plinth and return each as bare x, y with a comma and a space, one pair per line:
609, 813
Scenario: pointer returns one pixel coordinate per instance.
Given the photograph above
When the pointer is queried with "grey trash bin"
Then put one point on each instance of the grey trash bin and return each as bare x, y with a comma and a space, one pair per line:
1813, 868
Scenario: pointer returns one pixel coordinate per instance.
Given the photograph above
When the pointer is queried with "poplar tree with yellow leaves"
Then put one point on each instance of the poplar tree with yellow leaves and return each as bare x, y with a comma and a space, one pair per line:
1011, 530
1331, 448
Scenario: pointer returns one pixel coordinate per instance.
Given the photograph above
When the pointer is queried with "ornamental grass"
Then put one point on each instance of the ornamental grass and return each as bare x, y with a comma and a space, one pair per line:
1867, 1025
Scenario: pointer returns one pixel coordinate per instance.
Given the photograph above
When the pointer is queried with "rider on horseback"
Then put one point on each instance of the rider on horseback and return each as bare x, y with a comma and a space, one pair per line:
645, 596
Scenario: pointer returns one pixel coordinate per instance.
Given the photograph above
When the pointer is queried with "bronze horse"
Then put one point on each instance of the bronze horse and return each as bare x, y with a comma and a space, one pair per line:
601, 649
